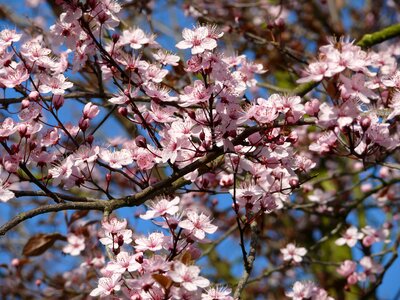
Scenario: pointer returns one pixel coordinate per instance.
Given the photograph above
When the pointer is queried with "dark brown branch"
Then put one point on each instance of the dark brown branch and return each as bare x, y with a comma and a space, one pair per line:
99, 205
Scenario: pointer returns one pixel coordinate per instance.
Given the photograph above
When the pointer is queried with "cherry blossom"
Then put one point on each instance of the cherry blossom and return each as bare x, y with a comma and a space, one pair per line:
198, 224
54, 84
217, 293
293, 253
76, 244
198, 40
116, 159
124, 262
153, 242
107, 285
350, 237
188, 277
161, 207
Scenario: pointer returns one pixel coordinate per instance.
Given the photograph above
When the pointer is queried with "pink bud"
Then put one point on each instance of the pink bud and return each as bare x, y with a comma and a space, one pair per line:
33, 96
90, 139
365, 122
58, 101
294, 182
22, 130
115, 37
123, 111
90, 111
25, 103
108, 177
312, 107
84, 124
15, 262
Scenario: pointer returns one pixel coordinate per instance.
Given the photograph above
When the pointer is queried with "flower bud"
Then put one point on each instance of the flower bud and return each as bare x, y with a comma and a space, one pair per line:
115, 38
123, 111
294, 183
33, 96
58, 101
365, 122
90, 111
202, 135
90, 139
22, 130
25, 103
141, 141
84, 124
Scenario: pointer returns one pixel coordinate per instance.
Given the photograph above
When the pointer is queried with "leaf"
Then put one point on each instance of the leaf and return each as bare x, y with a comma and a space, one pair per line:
186, 258
164, 281
39, 243
77, 215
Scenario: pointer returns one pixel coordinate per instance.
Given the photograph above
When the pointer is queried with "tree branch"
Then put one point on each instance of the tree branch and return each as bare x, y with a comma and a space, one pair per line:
248, 263
98, 205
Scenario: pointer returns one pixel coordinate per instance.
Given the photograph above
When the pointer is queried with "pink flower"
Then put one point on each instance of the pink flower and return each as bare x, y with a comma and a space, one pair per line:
316, 71
161, 207
76, 244
14, 75
198, 225
115, 233
62, 170
307, 290
136, 38
371, 268
7, 128
54, 84
85, 155
166, 58
301, 290
373, 235
197, 39
217, 293
153, 242
196, 94
124, 262
355, 87
5, 194
158, 93
350, 237
346, 268
7, 37
116, 159
107, 286
292, 253
188, 276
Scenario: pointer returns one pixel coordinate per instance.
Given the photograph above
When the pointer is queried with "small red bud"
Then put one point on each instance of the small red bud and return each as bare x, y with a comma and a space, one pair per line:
202, 135
25, 103
108, 177
123, 111
33, 96
115, 37
294, 183
365, 122
141, 141
90, 139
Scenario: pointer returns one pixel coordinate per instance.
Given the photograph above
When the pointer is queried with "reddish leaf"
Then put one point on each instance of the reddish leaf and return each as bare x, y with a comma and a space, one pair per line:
39, 243
77, 215
186, 258
164, 281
